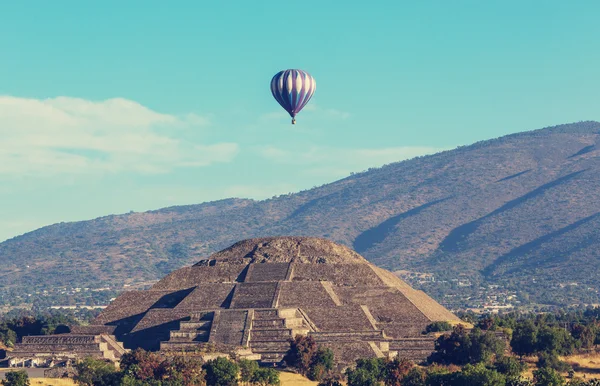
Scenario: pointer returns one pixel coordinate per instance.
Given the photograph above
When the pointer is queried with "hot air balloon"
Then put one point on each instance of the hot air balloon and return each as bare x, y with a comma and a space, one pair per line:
292, 89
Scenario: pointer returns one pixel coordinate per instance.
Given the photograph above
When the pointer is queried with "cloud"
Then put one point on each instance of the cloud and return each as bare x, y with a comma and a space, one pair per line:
339, 162
72, 135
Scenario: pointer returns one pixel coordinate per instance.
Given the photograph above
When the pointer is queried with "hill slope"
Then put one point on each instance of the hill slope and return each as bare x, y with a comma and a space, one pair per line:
521, 210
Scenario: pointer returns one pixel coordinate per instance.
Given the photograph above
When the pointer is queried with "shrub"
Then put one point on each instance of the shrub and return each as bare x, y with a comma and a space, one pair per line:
16, 378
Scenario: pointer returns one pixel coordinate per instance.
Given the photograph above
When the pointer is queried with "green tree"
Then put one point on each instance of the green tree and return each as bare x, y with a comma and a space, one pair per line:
321, 364
510, 366
461, 347
247, 369
16, 378
547, 377
479, 375
438, 326
95, 372
362, 377
555, 340
551, 360
221, 372
524, 339
265, 377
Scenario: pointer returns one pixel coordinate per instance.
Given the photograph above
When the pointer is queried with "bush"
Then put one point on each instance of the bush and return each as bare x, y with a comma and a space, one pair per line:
221, 372
438, 327
16, 378
321, 364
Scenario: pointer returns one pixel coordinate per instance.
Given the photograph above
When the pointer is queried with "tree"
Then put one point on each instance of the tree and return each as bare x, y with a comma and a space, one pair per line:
247, 369
321, 364
95, 372
16, 378
555, 340
438, 326
551, 360
479, 375
221, 372
301, 353
510, 366
265, 377
361, 377
142, 365
396, 371
524, 339
461, 347
547, 377
415, 377
183, 371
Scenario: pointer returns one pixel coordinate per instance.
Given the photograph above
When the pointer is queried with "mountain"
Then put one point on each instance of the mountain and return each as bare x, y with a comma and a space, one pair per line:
521, 211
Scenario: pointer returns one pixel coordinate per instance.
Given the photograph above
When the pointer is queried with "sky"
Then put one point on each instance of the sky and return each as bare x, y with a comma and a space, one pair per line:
114, 106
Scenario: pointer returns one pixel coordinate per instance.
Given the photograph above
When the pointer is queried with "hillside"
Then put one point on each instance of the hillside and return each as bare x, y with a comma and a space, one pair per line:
521, 211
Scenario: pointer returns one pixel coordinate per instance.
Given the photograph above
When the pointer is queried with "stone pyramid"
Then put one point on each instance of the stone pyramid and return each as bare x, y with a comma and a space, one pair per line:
259, 293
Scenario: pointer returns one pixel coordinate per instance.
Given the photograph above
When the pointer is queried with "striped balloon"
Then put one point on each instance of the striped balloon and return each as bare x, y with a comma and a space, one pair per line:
293, 89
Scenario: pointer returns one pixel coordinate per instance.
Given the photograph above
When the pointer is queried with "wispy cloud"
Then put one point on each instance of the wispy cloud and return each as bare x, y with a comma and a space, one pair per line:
72, 135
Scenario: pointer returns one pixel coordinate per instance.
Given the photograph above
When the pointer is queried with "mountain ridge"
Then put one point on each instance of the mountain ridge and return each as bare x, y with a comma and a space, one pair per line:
453, 213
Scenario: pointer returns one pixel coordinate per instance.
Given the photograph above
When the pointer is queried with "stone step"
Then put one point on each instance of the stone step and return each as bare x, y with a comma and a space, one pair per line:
201, 325
268, 323
271, 357
270, 334
269, 346
265, 314
179, 346
191, 335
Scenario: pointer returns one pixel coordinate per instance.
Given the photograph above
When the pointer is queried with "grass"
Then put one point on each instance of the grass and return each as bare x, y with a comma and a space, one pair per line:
293, 379
51, 382
287, 379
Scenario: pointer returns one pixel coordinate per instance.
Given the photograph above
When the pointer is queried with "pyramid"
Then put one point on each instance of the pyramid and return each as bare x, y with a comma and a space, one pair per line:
259, 293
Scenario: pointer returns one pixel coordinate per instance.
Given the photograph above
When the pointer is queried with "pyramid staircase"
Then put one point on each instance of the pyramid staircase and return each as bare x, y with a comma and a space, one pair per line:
272, 330
189, 334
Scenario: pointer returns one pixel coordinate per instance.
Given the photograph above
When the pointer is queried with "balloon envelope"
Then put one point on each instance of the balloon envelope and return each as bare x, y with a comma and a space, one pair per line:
293, 89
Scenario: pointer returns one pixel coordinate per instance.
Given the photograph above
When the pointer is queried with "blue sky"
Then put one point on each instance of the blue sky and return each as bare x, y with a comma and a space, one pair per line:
112, 106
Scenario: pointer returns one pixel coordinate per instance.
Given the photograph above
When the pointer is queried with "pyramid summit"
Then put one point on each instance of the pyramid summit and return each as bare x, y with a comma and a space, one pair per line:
258, 294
